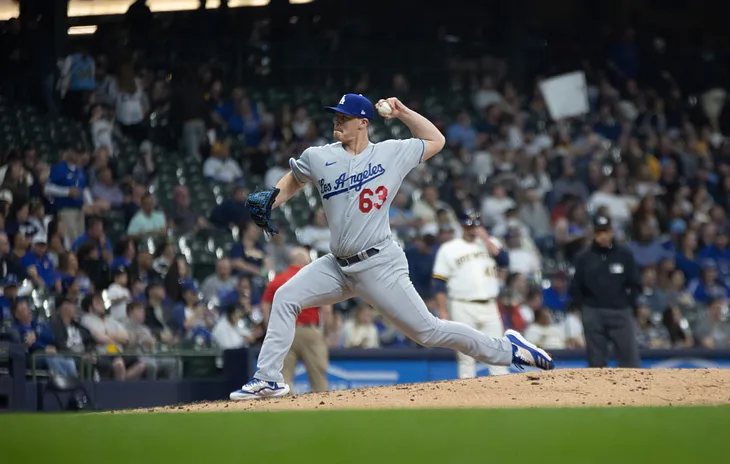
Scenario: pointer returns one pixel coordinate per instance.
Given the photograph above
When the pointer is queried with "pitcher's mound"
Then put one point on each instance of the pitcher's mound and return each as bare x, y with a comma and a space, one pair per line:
564, 387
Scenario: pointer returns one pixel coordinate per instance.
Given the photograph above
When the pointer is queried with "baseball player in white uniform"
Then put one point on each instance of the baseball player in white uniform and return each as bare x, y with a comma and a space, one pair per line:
466, 271
357, 181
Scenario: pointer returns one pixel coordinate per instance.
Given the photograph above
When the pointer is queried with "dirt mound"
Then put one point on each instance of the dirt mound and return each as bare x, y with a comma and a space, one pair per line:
564, 387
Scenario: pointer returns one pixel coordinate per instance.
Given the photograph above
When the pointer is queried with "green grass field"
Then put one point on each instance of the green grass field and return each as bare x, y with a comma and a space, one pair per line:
530, 436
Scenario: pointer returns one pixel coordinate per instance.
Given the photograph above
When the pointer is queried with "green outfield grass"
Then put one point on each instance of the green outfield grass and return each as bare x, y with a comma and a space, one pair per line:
524, 436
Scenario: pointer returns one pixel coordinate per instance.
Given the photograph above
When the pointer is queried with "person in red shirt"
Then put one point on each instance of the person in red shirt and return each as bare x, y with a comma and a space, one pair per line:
310, 344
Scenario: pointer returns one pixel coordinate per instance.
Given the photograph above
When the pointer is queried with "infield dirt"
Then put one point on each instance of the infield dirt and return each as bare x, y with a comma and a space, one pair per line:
559, 388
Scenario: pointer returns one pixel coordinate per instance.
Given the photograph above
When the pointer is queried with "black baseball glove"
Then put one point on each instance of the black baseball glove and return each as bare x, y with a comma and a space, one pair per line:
259, 205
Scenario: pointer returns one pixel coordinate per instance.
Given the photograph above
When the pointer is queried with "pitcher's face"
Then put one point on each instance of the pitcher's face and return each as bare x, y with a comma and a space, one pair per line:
346, 127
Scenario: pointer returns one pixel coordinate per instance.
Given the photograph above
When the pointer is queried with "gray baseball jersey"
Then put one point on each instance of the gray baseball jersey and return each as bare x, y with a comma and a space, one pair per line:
356, 193
357, 190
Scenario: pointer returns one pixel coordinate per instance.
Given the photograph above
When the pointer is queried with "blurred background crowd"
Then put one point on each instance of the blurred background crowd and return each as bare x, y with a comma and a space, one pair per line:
127, 156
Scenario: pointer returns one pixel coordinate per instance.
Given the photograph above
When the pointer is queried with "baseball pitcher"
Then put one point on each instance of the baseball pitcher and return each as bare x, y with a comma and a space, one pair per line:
466, 271
357, 181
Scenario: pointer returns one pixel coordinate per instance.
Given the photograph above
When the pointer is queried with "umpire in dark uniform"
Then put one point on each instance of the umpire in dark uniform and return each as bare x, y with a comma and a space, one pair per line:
605, 288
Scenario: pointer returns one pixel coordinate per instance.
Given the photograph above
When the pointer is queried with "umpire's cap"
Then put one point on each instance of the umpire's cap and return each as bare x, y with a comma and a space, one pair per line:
601, 222
354, 104
470, 217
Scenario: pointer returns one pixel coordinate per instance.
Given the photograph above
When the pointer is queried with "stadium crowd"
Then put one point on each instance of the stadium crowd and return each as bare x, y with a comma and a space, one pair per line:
651, 154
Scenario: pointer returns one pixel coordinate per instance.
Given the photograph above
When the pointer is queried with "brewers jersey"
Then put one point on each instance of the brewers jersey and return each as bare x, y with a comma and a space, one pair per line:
468, 269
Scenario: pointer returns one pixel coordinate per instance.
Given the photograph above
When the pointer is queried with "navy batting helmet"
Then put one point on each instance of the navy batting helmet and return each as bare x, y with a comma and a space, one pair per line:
470, 217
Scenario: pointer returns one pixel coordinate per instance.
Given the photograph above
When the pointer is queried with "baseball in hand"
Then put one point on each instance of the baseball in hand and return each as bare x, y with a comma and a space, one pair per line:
384, 108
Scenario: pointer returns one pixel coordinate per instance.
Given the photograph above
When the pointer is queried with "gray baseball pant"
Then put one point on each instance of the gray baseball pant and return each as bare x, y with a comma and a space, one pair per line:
381, 280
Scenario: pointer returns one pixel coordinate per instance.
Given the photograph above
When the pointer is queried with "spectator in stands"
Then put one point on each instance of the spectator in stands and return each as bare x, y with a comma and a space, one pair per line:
66, 185
487, 95
183, 218
654, 297
233, 212
537, 179
646, 248
650, 335
133, 200
144, 169
106, 189
686, 258
18, 221
219, 284
119, 295
557, 297
70, 337
38, 265
708, 286
719, 252
93, 266
37, 338
522, 258
147, 222
300, 122
619, 206
462, 133
316, 234
68, 272
77, 82
496, 204
544, 333
569, 183
680, 336
111, 338
402, 219
427, 206
191, 317
124, 254
677, 294
9, 297
536, 217
276, 172
247, 256
246, 124
573, 327
16, 180
360, 331
220, 167
8, 265
421, 255
714, 331
158, 315
101, 125
95, 236
509, 303
143, 344
131, 103
277, 250
229, 332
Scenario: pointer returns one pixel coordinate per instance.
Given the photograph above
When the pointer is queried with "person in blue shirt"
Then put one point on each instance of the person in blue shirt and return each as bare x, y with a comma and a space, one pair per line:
421, 256
124, 254
462, 132
232, 211
686, 256
708, 285
556, 297
38, 265
191, 317
95, 234
66, 185
8, 298
719, 253
247, 256
37, 337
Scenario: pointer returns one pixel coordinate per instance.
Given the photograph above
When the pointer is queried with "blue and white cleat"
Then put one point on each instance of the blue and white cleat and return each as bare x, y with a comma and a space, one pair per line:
257, 389
525, 353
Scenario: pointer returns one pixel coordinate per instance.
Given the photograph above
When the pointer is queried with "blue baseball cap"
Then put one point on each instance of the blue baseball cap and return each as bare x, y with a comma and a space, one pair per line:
354, 104
470, 217
188, 285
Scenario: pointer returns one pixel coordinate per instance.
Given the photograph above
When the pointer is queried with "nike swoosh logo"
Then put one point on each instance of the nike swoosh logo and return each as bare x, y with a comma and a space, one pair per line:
330, 163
